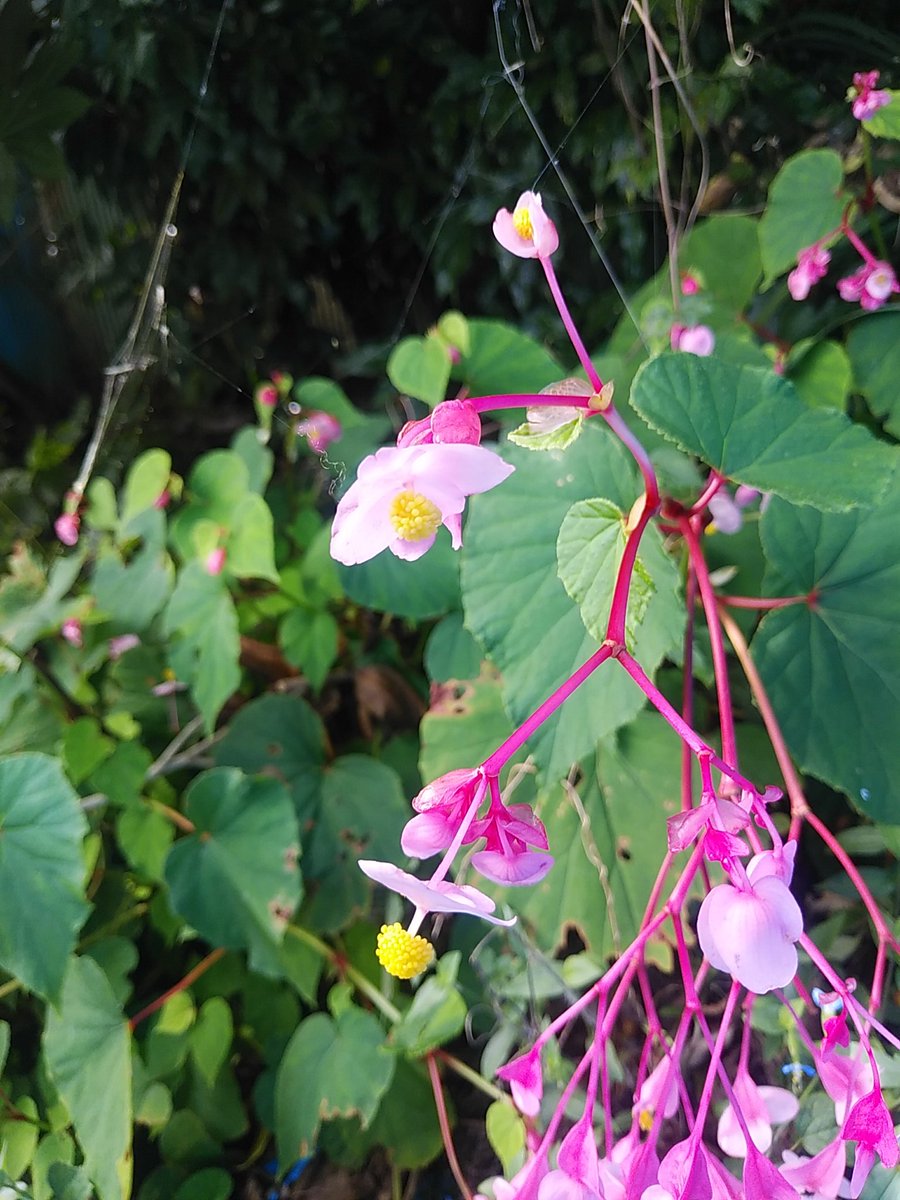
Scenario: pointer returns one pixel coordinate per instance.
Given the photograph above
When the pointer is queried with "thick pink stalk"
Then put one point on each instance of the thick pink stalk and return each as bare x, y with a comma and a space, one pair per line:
574, 336
713, 485
638, 453
859, 246
618, 609
715, 1057
530, 400
495, 763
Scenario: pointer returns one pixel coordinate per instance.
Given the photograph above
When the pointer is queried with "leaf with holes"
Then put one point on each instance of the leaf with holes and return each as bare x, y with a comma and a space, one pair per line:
236, 879
750, 426
832, 669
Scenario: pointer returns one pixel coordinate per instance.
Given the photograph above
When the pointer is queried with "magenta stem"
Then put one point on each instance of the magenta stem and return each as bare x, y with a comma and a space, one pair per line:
859, 246
618, 609
651, 485
574, 336
533, 399
713, 484
718, 1047
495, 763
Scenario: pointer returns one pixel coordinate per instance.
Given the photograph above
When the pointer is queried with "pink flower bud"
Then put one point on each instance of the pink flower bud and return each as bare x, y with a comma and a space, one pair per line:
267, 394
215, 561
693, 339
72, 633
526, 1081
163, 499
66, 527
320, 429
117, 646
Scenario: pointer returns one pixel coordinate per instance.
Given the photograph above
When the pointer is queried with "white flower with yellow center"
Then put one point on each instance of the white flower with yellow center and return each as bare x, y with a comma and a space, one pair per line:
403, 494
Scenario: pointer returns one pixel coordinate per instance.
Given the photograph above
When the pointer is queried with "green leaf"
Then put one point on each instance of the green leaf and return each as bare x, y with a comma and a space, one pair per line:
436, 1015
750, 426
257, 457
42, 905
522, 615
589, 550
236, 878
559, 438
323, 395
144, 837
309, 640
84, 748
145, 482
885, 121
805, 204
212, 1183
330, 1068
88, 1054
201, 616
425, 588
505, 1131
54, 1148
412, 1143
132, 594
29, 605
250, 546
454, 328
874, 348
69, 1183
4, 1044
501, 359
19, 1139
420, 367
451, 652
832, 669
607, 860
463, 725
724, 249
822, 375
211, 1038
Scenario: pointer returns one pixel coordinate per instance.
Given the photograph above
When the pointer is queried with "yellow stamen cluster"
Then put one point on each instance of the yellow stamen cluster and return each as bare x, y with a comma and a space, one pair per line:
522, 224
402, 953
414, 516
645, 1119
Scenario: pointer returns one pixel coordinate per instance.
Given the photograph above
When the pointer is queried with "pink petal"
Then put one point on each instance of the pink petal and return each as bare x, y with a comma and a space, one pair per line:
426, 834
410, 551
509, 238
683, 827
526, 1081
823, 1174
512, 869
578, 1155
763, 1180
751, 934
433, 897
781, 1105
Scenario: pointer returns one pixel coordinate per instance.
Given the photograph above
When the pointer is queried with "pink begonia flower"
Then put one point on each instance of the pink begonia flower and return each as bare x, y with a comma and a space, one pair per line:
834, 1020
66, 527
693, 339
71, 632
508, 832
577, 1176
121, 644
812, 265
402, 494
215, 561
684, 827
658, 1094
769, 862
690, 285
527, 231
725, 512
689, 1172
869, 1124
525, 1184
866, 100
453, 422
761, 1108
763, 1181
750, 933
846, 1078
441, 807
437, 897
526, 1081
872, 284
320, 429
266, 394
821, 1176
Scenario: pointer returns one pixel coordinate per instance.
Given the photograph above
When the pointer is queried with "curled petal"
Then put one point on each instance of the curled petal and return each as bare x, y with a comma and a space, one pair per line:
521, 869
426, 834
526, 1081
527, 231
751, 934
433, 897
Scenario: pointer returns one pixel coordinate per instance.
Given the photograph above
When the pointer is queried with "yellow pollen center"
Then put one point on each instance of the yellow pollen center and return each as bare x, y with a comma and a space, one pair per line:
522, 224
645, 1120
414, 516
402, 953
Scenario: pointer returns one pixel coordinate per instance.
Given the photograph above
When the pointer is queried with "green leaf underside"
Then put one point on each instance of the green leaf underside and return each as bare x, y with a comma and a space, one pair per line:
750, 426
88, 1053
330, 1068
873, 345
42, 904
833, 670
236, 880
528, 624
804, 205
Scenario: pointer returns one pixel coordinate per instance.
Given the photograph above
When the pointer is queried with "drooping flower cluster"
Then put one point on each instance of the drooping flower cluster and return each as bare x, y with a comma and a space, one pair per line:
865, 95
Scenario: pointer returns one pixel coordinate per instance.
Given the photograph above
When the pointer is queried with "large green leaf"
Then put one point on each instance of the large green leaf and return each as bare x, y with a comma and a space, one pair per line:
833, 669
607, 861
236, 879
427, 587
502, 359
750, 425
420, 367
464, 724
42, 905
874, 348
87, 1049
822, 374
330, 1068
805, 204
725, 251
521, 614
202, 618
132, 593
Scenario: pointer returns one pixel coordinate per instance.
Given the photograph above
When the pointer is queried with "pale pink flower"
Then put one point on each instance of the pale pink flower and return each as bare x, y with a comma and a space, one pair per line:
215, 561
66, 527
320, 429
869, 1124
693, 339
872, 285
441, 807
812, 265
846, 1078
121, 644
576, 1176
72, 633
751, 932
617, 1168
452, 422
761, 1108
658, 1094
819, 1177
526, 231
778, 863
508, 832
526, 1081
763, 1181
866, 100
403, 494
433, 896
715, 812
834, 1020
